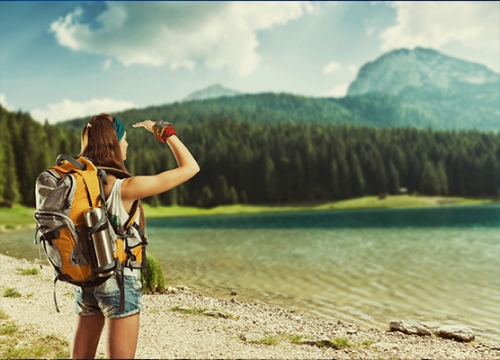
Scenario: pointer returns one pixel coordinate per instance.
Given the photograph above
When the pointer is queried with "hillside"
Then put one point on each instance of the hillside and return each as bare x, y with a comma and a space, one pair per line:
377, 110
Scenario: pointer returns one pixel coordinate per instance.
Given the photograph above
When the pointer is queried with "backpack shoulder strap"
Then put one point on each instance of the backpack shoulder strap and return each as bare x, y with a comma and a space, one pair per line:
116, 172
71, 160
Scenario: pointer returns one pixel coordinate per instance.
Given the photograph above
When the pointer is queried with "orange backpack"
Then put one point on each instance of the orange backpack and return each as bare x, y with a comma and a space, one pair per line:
68, 196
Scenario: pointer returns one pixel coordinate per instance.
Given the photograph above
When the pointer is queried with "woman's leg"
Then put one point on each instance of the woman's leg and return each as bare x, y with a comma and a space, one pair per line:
86, 338
122, 336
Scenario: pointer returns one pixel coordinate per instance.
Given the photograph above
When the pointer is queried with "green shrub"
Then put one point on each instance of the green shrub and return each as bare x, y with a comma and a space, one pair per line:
153, 281
10, 292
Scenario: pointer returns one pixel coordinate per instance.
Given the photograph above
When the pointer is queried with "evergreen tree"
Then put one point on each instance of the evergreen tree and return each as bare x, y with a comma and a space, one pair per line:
221, 194
430, 180
357, 181
393, 178
207, 197
442, 180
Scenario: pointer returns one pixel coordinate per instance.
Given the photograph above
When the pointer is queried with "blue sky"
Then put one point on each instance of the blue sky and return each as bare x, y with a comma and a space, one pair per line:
60, 60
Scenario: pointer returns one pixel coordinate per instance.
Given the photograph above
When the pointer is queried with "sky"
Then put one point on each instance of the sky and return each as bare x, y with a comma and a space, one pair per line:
60, 60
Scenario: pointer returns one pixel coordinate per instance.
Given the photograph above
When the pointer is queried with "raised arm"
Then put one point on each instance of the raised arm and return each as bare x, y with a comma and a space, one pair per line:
138, 187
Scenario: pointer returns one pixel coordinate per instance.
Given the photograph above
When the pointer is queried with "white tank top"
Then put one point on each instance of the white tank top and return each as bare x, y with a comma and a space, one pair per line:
118, 216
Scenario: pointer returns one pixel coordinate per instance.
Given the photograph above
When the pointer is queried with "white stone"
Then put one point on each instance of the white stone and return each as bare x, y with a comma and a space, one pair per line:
455, 332
409, 327
253, 337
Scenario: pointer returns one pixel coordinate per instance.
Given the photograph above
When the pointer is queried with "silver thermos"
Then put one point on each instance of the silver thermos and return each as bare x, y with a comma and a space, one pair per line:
101, 242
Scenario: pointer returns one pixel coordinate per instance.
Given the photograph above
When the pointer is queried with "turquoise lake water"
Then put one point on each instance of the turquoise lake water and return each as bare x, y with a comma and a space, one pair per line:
362, 266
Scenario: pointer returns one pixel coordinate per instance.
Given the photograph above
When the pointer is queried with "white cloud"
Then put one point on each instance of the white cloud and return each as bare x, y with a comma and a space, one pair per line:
436, 24
352, 68
338, 91
67, 109
222, 34
4, 103
331, 67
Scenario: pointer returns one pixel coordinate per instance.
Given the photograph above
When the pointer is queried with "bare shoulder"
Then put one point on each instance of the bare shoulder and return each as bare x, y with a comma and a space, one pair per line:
109, 186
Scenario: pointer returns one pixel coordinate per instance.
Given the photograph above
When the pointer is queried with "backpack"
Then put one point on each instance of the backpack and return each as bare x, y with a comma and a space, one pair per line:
69, 195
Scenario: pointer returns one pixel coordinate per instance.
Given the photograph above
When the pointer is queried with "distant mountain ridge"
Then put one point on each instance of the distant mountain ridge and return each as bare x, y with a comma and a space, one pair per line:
211, 92
419, 88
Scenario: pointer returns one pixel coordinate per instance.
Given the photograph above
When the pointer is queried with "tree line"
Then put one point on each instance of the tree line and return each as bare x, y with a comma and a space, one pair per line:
243, 162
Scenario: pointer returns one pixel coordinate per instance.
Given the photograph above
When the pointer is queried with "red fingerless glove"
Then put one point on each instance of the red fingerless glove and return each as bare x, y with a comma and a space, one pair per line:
163, 130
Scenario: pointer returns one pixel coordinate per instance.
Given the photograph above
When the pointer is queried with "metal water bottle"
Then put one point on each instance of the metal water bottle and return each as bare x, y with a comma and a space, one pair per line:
101, 243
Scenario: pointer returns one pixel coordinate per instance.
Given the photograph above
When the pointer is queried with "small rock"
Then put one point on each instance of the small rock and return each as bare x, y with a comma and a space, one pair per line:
253, 337
409, 327
455, 332
183, 288
218, 314
233, 300
184, 308
171, 290
315, 340
233, 293
351, 331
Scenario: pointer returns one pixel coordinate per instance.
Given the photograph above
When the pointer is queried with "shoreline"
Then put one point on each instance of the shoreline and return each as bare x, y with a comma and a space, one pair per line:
173, 326
20, 217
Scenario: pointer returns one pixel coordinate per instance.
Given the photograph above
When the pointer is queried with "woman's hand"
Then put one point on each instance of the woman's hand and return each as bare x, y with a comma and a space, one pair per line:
148, 124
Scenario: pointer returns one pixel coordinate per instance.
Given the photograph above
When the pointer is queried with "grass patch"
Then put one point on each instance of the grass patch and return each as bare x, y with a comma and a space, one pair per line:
32, 271
190, 311
295, 339
366, 202
8, 329
367, 343
153, 281
3, 315
266, 340
21, 344
17, 215
340, 343
270, 340
12, 293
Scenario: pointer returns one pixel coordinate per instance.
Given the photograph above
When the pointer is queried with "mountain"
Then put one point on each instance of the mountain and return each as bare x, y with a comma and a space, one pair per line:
451, 93
211, 92
419, 88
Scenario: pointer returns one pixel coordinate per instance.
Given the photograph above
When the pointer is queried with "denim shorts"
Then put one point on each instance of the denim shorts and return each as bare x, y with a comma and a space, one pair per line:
105, 298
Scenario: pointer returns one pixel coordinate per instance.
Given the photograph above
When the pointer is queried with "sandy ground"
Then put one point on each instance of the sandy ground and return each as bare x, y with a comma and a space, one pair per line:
166, 333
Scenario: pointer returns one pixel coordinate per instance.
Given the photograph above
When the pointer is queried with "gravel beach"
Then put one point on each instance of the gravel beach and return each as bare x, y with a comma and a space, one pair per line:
188, 324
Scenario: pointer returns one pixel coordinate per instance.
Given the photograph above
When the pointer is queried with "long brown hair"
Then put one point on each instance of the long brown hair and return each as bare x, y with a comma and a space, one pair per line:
100, 144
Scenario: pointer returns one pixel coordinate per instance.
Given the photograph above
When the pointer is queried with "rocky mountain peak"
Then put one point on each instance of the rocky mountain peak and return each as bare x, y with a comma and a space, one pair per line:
421, 67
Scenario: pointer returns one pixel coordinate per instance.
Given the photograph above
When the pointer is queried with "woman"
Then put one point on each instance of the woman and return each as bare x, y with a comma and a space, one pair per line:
104, 140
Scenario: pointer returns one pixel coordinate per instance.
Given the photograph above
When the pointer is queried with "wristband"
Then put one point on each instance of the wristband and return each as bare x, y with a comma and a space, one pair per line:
163, 130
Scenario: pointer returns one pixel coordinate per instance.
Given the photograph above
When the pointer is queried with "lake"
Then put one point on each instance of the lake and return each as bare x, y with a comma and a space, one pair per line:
438, 264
